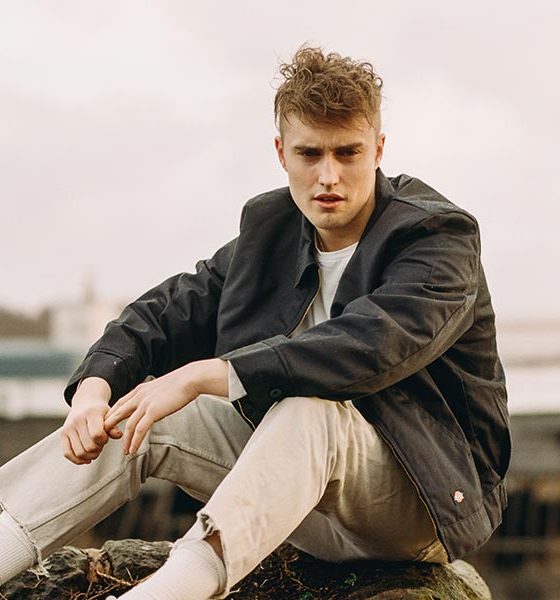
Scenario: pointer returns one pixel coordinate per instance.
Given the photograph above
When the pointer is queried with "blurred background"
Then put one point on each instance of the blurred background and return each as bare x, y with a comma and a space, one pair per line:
133, 132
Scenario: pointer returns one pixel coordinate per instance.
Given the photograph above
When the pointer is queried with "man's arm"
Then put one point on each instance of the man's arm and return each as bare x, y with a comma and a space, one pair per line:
153, 400
167, 327
91, 422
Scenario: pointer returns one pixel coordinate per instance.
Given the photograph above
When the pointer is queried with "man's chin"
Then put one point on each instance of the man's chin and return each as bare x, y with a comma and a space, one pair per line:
328, 222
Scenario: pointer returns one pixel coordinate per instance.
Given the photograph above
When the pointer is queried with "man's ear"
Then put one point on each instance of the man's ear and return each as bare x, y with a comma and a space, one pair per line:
278, 144
379, 149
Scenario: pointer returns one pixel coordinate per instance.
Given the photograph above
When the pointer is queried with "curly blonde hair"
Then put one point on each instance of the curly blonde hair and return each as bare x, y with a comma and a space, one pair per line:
321, 88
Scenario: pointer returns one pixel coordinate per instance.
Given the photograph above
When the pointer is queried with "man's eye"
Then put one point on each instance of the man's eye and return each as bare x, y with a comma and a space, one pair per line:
310, 152
348, 152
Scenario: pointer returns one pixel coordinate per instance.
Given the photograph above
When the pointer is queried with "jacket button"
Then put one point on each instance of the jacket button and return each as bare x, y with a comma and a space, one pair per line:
275, 393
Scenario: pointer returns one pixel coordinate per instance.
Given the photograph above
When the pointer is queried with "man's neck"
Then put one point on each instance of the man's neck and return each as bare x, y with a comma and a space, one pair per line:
332, 245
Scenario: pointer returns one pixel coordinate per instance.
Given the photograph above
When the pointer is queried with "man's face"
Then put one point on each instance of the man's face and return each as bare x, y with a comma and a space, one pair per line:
331, 172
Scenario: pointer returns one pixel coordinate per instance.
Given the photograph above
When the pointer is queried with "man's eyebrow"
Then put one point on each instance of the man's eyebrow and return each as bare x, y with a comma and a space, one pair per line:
353, 146
303, 147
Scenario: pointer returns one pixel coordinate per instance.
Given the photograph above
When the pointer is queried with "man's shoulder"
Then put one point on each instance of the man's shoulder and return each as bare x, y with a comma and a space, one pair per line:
419, 196
272, 205
266, 200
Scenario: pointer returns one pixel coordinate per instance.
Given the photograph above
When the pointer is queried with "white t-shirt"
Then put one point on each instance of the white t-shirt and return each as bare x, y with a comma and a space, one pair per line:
331, 267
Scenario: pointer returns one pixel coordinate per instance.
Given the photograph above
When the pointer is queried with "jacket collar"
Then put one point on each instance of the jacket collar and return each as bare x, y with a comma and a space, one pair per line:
384, 192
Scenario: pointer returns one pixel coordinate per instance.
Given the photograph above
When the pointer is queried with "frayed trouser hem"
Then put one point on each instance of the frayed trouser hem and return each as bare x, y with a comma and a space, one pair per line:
205, 526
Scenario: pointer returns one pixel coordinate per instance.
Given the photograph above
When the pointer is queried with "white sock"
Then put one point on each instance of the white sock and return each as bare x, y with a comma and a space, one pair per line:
16, 550
193, 571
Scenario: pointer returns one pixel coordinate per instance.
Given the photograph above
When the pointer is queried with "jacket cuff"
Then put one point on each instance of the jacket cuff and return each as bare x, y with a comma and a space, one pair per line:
235, 387
263, 375
107, 366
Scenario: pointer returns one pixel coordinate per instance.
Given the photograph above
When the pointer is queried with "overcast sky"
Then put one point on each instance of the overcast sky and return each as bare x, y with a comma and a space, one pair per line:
132, 132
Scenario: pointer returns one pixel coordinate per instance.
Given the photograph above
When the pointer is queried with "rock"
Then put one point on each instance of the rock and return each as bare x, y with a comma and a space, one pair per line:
287, 575
471, 577
135, 558
67, 571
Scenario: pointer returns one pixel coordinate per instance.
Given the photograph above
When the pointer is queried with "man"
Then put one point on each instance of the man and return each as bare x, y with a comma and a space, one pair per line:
329, 377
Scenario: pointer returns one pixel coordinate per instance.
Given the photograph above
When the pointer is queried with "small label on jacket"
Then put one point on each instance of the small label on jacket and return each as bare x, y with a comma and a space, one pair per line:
458, 496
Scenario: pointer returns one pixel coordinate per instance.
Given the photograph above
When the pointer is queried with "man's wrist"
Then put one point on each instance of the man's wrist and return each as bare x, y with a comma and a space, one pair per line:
209, 376
92, 389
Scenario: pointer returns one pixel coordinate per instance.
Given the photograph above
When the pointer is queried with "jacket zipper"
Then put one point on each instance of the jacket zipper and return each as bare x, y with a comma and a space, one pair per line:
244, 416
385, 439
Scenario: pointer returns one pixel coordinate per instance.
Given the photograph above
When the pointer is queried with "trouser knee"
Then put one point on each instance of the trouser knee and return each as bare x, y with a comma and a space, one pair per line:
309, 413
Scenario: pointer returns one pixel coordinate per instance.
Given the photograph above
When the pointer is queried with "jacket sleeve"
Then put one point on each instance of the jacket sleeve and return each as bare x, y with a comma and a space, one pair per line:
167, 327
423, 303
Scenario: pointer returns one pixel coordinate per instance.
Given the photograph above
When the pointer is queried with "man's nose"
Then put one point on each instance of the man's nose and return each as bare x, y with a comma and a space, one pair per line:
328, 171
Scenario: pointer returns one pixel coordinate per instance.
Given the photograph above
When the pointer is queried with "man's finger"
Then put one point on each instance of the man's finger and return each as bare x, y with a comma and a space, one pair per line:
78, 451
96, 429
114, 417
119, 403
130, 428
91, 448
68, 451
140, 431
112, 421
115, 433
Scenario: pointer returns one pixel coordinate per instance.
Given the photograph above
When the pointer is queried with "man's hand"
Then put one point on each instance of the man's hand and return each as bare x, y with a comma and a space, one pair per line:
153, 400
83, 433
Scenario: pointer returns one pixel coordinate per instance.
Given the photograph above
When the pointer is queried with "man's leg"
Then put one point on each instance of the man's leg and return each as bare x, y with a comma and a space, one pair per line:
370, 509
301, 456
48, 501
316, 473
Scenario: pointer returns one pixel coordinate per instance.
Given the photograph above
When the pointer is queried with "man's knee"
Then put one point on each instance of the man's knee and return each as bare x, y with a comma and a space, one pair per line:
307, 417
309, 407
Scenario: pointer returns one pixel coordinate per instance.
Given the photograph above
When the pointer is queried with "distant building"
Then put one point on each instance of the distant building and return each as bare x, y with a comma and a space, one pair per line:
16, 325
33, 375
77, 324
38, 354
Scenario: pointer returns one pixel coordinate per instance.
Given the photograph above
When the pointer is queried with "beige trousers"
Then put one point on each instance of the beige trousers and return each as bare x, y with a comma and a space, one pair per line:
314, 472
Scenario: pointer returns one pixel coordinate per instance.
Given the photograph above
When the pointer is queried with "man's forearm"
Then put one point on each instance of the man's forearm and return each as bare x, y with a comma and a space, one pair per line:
153, 400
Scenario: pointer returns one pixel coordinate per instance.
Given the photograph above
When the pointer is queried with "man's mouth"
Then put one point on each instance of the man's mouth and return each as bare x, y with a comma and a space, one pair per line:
328, 200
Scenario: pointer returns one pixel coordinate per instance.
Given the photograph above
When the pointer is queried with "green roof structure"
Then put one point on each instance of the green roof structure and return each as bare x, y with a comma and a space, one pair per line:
36, 360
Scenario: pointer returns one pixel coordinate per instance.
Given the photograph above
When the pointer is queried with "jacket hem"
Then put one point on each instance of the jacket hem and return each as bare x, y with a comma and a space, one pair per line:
458, 537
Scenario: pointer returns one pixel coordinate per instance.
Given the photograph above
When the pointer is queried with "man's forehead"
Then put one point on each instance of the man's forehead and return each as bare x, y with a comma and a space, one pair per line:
354, 132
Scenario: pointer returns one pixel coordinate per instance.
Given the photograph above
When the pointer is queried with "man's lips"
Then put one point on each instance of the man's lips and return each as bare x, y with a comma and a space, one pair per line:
328, 200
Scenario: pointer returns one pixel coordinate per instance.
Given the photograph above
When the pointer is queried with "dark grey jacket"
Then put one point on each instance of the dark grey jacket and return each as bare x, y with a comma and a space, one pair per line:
411, 340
